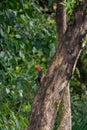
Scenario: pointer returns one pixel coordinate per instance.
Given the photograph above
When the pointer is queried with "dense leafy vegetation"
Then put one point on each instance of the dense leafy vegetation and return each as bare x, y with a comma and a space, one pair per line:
28, 38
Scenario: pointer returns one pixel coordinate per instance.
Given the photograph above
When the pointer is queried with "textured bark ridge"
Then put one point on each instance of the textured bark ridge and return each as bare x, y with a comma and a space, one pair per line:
54, 84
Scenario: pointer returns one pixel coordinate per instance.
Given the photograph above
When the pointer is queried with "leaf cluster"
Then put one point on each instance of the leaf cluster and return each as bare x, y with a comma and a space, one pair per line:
26, 40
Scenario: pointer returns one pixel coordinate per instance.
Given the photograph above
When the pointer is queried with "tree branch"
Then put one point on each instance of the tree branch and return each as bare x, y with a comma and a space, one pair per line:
60, 18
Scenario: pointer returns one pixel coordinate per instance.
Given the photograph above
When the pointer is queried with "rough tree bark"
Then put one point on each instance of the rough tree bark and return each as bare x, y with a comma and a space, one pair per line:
59, 73
64, 117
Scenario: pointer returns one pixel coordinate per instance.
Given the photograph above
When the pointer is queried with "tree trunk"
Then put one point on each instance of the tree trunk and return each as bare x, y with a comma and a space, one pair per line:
65, 107
57, 78
64, 122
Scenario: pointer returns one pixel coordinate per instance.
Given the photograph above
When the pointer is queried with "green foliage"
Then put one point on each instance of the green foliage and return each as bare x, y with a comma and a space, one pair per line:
79, 111
51, 3
26, 39
79, 93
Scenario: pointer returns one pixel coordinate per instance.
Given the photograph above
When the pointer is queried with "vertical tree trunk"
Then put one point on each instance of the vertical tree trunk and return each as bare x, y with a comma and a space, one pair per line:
60, 19
58, 76
65, 107
65, 111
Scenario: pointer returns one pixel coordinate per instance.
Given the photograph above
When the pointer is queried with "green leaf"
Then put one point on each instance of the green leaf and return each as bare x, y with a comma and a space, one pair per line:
18, 36
1, 32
